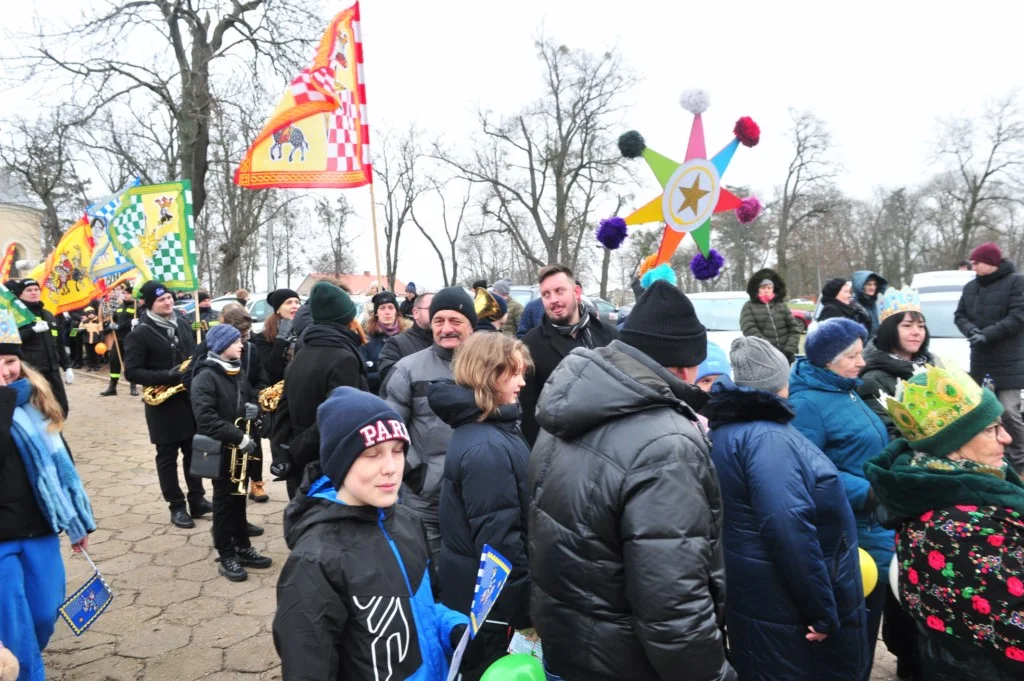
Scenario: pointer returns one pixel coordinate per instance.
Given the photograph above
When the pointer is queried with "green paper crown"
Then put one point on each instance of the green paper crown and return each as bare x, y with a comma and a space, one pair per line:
903, 300
940, 409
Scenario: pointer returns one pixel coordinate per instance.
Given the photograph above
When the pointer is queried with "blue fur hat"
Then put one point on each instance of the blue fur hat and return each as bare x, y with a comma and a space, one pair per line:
831, 337
716, 363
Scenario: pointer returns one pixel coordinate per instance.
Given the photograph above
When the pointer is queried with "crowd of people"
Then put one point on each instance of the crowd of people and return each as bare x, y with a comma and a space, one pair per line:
664, 504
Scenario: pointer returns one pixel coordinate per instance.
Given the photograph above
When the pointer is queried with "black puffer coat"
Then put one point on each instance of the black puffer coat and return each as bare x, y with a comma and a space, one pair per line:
397, 347
994, 303
151, 357
274, 356
329, 359
218, 400
625, 524
881, 372
832, 308
20, 516
45, 353
774, 321
483, 500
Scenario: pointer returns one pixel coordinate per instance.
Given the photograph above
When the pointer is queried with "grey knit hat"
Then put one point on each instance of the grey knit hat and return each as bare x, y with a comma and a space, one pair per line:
757, 364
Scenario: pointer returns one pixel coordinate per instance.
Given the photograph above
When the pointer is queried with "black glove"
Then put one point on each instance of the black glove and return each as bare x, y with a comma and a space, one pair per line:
284, 328
976, 338
281, 470
457, 631
476, 649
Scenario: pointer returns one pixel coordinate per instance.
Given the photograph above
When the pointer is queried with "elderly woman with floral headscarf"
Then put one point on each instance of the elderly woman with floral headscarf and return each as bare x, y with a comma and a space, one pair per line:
960, 510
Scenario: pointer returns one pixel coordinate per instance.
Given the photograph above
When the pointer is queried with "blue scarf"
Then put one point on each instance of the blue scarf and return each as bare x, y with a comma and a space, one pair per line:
53, 477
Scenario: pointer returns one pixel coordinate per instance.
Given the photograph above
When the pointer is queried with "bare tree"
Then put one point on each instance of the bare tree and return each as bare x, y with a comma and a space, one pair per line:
397, 167
333, 216
545, 167
186, 39
39, 156
809, 169
452, 229
983, 155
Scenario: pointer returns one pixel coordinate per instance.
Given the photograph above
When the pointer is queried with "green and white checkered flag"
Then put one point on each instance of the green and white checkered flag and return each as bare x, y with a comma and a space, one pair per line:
154, 229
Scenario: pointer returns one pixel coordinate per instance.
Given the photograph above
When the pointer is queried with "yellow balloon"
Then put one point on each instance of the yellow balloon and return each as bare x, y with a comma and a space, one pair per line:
868, 572
101, 348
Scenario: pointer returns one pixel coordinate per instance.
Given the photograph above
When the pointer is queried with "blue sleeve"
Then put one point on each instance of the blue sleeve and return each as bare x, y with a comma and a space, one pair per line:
784, 508
447, 619
809, 422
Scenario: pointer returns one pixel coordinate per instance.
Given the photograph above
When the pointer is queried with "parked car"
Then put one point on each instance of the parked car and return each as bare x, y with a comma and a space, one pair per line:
801, 301
607, 312
941, 281
802, 316
719, 312
940, 294
257, 306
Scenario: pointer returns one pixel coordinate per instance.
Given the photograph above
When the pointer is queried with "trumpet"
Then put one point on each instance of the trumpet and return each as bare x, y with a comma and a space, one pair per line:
238, 464
154, 395
485, 305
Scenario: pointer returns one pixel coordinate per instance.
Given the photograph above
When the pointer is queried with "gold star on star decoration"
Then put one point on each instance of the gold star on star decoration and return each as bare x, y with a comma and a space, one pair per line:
692, 196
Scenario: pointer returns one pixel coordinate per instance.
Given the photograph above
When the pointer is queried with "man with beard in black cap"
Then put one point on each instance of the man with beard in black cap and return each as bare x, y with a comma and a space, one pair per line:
40, 341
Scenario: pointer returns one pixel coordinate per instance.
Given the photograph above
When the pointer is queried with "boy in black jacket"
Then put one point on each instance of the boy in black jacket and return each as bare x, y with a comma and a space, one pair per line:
220, 395
355, 598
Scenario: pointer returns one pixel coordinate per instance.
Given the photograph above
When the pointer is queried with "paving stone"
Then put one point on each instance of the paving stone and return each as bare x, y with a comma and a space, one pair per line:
148, 577
226, 631
160, 543
153, 639
139, 532
251, 655
256, 603
195, 664
102, 550
183, 556
200, 571
122, 521
112, 668
167, 591
197, 610
222, 588
77, 658
125, 563
124, 620
68, 642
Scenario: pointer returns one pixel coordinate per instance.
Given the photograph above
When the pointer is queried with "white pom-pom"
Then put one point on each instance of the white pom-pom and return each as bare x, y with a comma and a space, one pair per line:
695, 101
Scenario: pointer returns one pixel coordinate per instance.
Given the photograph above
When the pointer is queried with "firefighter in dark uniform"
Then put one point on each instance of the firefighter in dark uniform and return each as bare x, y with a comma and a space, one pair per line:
153, 354
40, 341
121, 325
207, 317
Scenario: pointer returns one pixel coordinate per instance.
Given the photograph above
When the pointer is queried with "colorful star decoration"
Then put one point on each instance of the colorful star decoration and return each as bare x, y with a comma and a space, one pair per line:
693, 191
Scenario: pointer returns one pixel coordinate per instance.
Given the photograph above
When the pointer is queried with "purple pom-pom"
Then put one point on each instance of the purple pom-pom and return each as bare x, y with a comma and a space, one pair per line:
748, 211
709, 267
612, 232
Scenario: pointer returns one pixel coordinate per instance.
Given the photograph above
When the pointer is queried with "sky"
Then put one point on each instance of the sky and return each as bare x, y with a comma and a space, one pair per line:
880, 74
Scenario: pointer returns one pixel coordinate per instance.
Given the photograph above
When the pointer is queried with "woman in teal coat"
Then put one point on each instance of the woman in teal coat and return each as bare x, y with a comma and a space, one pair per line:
830, 413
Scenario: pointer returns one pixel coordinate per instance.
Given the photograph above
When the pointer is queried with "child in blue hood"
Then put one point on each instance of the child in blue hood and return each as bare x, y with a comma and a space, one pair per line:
355, 598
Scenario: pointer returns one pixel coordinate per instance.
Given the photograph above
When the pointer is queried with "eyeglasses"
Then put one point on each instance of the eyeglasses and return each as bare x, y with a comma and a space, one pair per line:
993, 430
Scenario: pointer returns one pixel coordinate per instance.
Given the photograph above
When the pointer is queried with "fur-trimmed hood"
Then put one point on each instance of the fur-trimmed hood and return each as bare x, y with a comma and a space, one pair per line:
767, 273
731, 403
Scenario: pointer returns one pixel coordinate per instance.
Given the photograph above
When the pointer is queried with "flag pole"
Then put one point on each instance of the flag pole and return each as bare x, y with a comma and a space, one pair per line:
376, 239
199, 324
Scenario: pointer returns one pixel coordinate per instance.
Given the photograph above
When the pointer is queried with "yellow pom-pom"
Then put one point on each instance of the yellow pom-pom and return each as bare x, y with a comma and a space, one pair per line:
868, 572
101, 348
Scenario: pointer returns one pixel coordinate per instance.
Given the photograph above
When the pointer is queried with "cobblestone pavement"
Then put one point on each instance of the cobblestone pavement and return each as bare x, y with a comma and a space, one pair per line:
173, 617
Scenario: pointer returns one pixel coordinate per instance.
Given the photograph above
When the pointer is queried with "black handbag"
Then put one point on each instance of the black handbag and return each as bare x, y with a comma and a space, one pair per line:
207, 456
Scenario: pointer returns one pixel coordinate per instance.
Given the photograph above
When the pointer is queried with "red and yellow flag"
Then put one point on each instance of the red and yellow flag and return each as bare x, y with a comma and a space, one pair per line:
7, 263
318, 136
65, 277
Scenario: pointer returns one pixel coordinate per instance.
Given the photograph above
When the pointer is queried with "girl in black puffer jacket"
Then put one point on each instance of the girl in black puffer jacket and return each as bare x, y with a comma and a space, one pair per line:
766, 315
483, 497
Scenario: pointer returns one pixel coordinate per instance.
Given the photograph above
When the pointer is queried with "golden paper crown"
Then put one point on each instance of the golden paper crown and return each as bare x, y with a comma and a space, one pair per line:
931, 400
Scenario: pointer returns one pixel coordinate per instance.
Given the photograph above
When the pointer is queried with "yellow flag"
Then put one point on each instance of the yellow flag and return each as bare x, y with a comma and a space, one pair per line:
318, 136
65, 280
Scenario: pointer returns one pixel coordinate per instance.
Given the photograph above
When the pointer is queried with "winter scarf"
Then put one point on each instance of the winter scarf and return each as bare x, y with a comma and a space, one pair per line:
574, 330
168, 324
390, 330
231, 366
53, 477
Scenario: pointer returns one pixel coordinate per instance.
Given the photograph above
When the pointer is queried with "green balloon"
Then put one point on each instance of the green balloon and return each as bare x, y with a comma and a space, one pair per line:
519, 667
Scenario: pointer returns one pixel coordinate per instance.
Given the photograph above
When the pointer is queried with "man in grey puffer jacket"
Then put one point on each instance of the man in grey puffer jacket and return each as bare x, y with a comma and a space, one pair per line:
452, 319
626, 516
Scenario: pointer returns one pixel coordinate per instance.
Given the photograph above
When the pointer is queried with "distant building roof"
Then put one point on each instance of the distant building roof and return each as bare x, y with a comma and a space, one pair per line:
11, 191
357, 284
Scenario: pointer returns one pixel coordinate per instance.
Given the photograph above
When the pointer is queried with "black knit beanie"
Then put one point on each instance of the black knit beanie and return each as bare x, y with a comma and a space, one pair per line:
455, 299
330, 304
664, 326
14, 286
832, 287
351, 421
383, 298
150, 291
278, 298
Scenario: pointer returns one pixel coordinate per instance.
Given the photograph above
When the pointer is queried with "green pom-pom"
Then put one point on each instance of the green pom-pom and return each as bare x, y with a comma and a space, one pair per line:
631, 144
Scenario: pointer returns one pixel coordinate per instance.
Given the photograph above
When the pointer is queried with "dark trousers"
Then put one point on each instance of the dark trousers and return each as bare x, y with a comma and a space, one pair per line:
490, 644
167, 472
93, 358
899, 632
292, 486
75, 344
256, 462
229, 521
876, 606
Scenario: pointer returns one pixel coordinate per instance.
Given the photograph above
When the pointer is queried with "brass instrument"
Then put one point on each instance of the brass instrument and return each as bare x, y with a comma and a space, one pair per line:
485, 305
270, 397
154, 395
238, 466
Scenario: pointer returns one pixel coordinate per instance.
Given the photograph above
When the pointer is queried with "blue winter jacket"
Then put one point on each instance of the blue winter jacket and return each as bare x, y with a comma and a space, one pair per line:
860, 277
831, 414
790, 541
532, 314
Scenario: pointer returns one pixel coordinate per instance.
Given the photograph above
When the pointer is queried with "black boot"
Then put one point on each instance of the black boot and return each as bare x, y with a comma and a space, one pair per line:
250, 558
179, 518
232, 569
199, 508
135, 391
253, 530
111, 389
